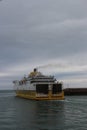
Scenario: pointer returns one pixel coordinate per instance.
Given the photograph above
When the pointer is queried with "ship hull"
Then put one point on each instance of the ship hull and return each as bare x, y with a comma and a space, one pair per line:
32, 95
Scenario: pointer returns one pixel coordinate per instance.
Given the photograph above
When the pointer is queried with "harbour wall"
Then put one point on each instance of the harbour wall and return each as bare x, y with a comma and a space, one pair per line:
75, 91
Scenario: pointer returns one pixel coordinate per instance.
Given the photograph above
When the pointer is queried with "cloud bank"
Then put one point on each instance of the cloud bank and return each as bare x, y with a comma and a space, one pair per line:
50, 35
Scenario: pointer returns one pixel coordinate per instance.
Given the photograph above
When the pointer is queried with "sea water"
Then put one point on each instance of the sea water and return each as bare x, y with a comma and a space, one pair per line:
22, 114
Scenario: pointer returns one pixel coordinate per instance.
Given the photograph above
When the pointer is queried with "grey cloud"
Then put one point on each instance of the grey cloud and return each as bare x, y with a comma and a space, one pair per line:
39, 31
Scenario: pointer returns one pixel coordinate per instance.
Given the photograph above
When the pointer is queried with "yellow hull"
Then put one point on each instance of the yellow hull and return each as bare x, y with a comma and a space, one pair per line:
34, 96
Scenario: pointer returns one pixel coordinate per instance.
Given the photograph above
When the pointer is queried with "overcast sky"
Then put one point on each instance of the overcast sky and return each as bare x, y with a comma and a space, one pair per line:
48, 34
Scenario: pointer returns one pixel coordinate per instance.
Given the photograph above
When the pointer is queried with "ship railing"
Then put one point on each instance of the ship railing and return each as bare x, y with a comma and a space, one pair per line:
42, 80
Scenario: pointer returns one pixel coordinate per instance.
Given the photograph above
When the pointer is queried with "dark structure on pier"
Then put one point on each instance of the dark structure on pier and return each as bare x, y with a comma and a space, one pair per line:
75, 91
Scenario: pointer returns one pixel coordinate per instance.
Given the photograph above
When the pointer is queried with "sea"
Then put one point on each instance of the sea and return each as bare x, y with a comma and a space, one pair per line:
21, 114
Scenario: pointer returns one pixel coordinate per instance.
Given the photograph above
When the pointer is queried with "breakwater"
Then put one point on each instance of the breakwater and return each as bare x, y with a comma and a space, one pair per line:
75, 91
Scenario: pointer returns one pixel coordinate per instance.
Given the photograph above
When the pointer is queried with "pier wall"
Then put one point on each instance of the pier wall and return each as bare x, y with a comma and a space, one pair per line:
75, 91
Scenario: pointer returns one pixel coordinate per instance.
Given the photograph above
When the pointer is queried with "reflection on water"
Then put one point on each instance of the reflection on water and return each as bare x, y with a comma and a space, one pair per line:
48, 115
40, 115
17, 113
22, 114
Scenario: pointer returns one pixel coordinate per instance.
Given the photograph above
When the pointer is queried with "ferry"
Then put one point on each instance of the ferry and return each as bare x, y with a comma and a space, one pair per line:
37, 86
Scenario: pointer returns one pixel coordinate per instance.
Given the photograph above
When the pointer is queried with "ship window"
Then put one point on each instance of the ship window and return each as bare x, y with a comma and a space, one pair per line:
42, 88
57, 88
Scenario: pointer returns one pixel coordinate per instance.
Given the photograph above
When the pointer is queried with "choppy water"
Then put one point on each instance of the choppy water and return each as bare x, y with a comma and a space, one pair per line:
22, 114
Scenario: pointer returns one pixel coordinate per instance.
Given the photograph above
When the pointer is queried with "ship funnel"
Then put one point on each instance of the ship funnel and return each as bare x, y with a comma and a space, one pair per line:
35, 69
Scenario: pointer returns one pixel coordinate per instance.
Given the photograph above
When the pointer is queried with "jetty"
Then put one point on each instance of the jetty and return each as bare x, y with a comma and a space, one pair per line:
75, 91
